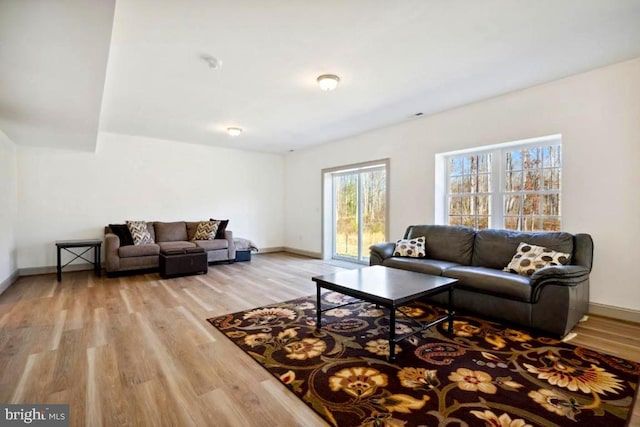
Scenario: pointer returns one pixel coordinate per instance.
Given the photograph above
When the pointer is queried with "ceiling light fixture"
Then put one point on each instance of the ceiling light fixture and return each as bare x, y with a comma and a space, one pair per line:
234, 131
328, 82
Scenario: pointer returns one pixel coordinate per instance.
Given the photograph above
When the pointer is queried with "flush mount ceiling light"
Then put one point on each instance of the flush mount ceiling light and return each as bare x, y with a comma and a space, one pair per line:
328, 82
234, 131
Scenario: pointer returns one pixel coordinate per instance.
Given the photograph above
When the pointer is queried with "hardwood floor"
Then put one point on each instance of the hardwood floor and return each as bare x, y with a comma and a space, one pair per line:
137, 350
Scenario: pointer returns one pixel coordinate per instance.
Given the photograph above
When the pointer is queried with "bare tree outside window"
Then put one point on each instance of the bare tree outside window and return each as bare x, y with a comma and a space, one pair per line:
517, 188
532, 189
469, 190
360, 206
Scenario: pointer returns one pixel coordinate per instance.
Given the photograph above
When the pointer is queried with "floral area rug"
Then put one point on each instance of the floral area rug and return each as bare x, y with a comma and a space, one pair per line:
481, 374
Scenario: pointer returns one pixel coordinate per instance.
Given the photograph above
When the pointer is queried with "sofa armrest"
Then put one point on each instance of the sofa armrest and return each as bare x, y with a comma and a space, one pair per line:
228, 235
582, 250
567, 275
111, 257
380, 251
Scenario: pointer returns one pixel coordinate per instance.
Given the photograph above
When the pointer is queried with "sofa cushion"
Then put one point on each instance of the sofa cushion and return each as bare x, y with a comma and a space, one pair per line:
139, 232
529, 258
192, 226
419, 265
495, 248
210, 245
447, 243
491, 281
413, 248
138, 262
151, 231
176, 245
123, 233
206, 230
221, 228
182, 251
171, 231
138, 250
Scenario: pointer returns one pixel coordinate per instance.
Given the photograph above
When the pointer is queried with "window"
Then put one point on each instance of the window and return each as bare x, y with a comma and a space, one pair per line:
515, 186
470, 190
531, 190
357, 209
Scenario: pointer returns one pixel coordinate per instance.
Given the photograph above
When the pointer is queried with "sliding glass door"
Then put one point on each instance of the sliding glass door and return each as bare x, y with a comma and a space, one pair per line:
359, 211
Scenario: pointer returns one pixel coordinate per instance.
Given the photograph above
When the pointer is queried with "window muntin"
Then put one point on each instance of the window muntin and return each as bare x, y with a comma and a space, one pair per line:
513, 187
469, 198
531, 193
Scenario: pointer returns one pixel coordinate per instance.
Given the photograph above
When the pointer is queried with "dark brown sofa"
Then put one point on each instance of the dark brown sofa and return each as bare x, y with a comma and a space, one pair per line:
553, 299
166, 235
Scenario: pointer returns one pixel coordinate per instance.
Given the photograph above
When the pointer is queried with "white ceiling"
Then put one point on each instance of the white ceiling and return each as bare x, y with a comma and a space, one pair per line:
53, 59
394, 59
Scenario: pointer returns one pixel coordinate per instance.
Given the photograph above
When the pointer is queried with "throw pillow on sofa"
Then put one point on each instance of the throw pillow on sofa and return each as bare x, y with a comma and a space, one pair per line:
206, 230
414, 248
139, 232
221, 228
529, 258
123, 233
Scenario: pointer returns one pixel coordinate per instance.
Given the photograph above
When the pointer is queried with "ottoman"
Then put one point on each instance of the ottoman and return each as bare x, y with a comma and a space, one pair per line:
180, 262
243, 255
244, 248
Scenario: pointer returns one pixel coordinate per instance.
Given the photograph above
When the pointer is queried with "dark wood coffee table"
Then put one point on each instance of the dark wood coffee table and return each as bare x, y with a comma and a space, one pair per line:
388, 287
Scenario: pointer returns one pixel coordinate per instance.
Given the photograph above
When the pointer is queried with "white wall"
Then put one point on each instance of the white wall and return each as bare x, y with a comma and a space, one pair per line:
71, 195
8, 208
597, 114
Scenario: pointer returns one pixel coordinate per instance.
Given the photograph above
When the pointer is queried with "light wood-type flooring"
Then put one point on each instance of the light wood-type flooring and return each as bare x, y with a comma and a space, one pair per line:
137, 350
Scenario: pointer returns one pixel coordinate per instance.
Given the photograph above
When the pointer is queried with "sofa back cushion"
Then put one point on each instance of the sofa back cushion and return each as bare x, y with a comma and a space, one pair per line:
151, 230
445, 242
496, 248
170, 231
192, 226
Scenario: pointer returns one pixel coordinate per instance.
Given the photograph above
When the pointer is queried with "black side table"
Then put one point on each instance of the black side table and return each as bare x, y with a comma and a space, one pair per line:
67, 245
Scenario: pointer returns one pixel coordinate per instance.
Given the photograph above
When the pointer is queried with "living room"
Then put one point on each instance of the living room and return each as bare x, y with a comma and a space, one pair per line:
273, 194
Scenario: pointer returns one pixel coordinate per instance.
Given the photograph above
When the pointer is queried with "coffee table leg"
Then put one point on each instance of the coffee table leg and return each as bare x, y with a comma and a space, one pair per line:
318, 306
450, 310
392, 334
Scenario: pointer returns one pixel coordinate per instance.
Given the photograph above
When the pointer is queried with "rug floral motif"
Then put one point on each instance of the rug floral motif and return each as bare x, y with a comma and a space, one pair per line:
481, 374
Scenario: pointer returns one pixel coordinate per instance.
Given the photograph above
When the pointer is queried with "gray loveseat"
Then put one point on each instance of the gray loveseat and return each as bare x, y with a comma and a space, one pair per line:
552, 300
166, 235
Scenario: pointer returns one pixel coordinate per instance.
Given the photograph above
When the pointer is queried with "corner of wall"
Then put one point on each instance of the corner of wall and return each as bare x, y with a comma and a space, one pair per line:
8, 215
4, 285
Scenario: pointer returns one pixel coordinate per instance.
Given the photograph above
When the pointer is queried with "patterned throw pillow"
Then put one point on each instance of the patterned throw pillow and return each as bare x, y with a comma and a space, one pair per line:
414, 248
529, 258
139, 232
206, 230
221, 228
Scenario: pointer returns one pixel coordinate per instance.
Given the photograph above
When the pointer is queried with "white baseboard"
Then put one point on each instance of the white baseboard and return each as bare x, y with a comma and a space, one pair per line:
32, 271
302, 252
289, 250
617, 313
4, 285
268, 250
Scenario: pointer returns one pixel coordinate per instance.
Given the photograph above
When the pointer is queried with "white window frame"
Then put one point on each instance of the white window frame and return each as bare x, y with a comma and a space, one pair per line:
497, 187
